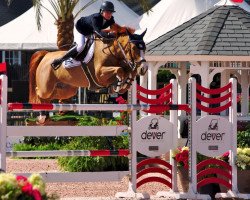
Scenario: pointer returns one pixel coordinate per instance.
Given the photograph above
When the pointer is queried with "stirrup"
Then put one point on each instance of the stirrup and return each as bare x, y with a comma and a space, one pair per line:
55, 66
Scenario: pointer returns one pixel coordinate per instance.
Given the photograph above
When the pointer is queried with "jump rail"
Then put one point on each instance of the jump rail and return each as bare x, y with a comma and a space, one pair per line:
92, 153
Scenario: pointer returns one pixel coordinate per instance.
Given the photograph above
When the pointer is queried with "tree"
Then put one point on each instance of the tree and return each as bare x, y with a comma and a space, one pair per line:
64, 17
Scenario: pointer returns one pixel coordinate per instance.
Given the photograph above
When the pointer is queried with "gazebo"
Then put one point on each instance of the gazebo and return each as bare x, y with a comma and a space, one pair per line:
216, 41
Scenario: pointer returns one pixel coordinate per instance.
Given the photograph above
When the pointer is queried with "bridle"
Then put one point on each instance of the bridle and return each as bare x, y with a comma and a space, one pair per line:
131, 62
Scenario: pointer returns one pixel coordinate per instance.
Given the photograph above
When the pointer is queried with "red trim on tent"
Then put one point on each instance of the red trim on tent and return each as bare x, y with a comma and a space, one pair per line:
3, 68
237, 1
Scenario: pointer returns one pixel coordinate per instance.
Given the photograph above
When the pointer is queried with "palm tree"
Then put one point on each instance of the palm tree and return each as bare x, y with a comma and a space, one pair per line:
64, 17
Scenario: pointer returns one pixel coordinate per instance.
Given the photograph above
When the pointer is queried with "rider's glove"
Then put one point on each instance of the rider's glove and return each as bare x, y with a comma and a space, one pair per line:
111, 35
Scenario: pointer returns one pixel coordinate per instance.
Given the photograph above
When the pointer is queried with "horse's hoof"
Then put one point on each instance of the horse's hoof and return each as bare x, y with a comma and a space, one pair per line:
41, 120
122, 91
61, 113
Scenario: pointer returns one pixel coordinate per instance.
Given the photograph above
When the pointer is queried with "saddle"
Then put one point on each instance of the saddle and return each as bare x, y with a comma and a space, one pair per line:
83, 57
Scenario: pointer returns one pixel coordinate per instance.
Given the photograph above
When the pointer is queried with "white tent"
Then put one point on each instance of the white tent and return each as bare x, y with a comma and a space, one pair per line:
168, 14
22, 33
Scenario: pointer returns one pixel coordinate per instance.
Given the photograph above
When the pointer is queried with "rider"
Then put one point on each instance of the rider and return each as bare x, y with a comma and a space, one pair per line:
86, 26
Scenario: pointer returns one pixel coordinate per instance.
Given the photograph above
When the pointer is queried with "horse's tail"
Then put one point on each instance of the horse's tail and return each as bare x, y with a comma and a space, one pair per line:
34, 62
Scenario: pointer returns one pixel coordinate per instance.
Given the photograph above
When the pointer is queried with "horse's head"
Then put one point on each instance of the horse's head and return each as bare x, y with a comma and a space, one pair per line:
134, 52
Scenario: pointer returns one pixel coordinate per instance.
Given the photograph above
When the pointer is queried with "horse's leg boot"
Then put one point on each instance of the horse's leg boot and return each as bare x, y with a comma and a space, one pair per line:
72, 53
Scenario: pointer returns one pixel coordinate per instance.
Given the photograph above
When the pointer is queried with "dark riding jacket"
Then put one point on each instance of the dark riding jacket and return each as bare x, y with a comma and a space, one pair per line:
94, 23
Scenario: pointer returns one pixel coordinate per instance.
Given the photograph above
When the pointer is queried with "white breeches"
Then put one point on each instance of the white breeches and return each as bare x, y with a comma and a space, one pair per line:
80, 41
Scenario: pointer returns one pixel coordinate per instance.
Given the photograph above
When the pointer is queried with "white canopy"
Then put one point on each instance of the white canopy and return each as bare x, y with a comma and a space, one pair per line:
22, 33
168, 14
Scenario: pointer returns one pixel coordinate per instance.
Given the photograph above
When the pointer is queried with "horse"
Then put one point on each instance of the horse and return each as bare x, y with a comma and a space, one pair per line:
114, 65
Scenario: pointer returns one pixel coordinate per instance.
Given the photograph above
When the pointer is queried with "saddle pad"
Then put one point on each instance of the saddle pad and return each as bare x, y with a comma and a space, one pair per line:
69, 63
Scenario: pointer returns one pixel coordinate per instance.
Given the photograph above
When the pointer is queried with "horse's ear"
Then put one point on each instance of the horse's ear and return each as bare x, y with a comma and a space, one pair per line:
142, 35
128, 32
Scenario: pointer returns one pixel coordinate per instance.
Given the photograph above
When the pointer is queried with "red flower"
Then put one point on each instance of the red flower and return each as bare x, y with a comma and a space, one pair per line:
182, 158
27, 188
120, 100
119, 122
36, 194
186, 164
185, 153
226, 154
21, 178
178, 157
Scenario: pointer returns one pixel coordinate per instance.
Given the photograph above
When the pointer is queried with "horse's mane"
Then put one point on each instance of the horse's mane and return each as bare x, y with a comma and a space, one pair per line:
121, 34
121, 30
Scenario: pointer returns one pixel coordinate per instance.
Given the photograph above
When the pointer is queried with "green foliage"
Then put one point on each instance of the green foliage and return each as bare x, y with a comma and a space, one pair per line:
81, 121
243, 158
78, 164
89, 121
165, 76
201, 157
243, 138
37, 141
30, 147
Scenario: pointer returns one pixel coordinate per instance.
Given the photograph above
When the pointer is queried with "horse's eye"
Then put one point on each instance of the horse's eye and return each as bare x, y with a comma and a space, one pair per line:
140, 46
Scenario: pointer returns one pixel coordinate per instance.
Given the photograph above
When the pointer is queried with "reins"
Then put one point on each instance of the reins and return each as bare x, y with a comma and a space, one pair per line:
129, 62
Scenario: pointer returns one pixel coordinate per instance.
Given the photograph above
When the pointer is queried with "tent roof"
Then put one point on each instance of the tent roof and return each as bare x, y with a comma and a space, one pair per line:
22, 33
222, 30
15, 9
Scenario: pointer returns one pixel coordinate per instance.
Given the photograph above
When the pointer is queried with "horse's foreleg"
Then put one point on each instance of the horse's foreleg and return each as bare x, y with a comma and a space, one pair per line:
128, 82
110, 75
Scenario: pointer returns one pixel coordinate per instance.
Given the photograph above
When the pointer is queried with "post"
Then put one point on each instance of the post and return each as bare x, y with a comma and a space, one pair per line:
133, 145
233, 120
79, 98
174, 121
192, 137
3, 121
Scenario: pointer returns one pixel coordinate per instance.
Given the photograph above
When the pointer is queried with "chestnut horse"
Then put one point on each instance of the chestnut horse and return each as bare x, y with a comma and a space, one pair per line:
114, 65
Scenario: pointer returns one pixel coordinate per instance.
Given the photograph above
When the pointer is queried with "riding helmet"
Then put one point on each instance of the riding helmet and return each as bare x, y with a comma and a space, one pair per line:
107, 6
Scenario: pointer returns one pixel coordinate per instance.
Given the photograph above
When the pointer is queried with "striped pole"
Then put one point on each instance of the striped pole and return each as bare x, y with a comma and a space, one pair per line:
93, 107
92, 153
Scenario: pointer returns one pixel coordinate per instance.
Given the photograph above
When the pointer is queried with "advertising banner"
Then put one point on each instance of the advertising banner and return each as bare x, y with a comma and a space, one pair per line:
153, 136
213, 135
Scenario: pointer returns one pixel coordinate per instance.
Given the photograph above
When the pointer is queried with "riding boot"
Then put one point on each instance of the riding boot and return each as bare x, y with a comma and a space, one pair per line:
72, 53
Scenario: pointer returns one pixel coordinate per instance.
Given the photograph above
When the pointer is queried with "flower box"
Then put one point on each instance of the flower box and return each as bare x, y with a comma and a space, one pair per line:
243, 178
182, 179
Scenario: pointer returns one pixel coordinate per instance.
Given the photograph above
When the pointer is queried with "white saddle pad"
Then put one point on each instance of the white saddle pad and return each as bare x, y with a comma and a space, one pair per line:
69, 63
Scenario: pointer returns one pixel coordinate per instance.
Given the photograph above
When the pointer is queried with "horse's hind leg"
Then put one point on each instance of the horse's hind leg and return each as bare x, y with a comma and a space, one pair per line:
43, 115
58, 93
64, 95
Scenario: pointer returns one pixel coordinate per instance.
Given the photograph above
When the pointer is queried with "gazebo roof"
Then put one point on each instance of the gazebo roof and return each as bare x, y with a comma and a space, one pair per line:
220, 31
